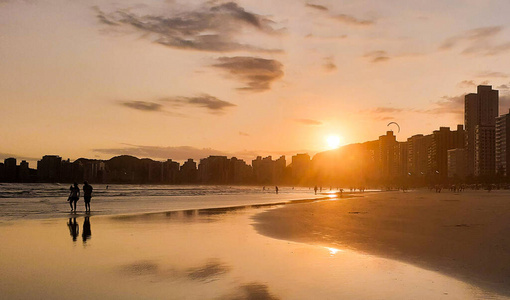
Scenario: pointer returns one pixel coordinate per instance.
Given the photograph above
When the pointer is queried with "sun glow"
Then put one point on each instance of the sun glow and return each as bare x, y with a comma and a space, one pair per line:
333, 141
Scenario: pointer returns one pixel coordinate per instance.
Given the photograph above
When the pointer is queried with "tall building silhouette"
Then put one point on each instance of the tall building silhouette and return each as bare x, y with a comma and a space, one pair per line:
481, 110
502, 145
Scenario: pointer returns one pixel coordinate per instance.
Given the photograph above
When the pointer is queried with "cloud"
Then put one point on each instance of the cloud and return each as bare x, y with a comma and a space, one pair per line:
384, 110
317, 6
257, 73
308, 122
377, 56
351, 20
503, 87
143, 106
162, 105
243, 133
466, 83
492, 74
478, 41
447, 104
213, 104
212, 27
329, 64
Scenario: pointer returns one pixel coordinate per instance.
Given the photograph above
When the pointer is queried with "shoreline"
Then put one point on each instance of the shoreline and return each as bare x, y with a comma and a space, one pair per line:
461, 235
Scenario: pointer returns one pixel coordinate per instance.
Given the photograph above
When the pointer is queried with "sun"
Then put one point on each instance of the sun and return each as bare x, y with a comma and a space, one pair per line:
333, 141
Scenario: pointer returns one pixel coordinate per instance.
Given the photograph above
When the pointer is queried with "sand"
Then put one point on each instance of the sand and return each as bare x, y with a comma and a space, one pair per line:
465, 235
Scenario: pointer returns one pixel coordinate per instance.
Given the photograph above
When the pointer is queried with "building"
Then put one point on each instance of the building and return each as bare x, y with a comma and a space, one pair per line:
502, 143
48, 168
23, 171
10, 169
457, 163
188, 172
388, 156
213, 170
170, 171
442, 141
301, 164
485, 151
481, 109
417, 154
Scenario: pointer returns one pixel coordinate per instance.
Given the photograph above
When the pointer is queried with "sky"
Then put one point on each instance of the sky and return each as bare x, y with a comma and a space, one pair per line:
188, 79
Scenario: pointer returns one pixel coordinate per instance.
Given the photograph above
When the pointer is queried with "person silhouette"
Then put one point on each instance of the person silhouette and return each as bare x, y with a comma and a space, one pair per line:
86, 233
74, 228
276, 189
87, 195
74, 195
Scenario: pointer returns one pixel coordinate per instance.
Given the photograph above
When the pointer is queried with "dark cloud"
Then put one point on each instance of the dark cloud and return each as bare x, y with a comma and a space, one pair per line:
317, 6
308, 122
492, 74
212, 27
143, 105
503, 87
478, 41
257, 73
351, 20
213, 104
377, 56
447, 105
179, 153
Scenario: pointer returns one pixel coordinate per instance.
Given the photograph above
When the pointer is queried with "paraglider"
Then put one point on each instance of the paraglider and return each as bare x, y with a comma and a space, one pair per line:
398, 126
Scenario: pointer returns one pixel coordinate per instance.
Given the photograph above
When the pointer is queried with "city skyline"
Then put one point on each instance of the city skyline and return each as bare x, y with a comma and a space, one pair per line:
98, 79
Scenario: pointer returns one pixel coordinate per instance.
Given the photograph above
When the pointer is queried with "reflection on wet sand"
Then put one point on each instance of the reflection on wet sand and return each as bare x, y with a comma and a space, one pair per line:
87, 233
253, 290
74, 228
210, 271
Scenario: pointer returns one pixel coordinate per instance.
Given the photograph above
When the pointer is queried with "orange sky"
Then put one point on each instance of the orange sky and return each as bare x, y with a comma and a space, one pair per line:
178, 79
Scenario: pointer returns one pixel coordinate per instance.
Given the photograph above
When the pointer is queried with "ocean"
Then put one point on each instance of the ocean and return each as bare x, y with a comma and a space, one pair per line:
49, 200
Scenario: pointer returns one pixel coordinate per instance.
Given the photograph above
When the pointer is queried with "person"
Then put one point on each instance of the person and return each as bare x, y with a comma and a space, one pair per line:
87, 195
315, 190
74, 195
276, 188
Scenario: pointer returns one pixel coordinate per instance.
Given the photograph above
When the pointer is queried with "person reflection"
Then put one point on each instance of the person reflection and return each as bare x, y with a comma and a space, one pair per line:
86, 233
74, 228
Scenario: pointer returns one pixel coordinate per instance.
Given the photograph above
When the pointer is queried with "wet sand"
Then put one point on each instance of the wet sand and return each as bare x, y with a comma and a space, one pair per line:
199, 254
465, 235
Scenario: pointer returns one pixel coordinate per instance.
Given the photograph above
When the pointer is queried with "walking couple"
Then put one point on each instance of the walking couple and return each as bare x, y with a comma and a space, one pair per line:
74, 195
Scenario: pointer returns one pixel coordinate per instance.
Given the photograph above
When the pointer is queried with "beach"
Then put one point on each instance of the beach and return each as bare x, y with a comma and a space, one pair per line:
464, 235
280, 250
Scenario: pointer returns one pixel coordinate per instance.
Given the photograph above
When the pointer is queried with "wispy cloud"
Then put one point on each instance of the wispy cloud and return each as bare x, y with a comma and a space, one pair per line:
143, 105
257, 73
211, 27
308, 122
317, 6
351, 20
213, 104
446, 105
377, 56
478, 41
466, 84
168, 105
243, 133
492, 74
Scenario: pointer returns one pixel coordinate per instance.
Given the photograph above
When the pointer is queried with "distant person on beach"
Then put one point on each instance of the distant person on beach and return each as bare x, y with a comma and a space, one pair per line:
74, 228
87, 195
276, 189
74, 195
315, 190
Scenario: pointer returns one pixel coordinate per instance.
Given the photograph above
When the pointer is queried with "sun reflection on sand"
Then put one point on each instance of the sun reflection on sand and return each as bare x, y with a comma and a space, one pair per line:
333, 251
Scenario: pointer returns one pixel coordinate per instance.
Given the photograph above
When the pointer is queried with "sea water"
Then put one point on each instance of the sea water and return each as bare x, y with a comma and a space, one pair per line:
49, 200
